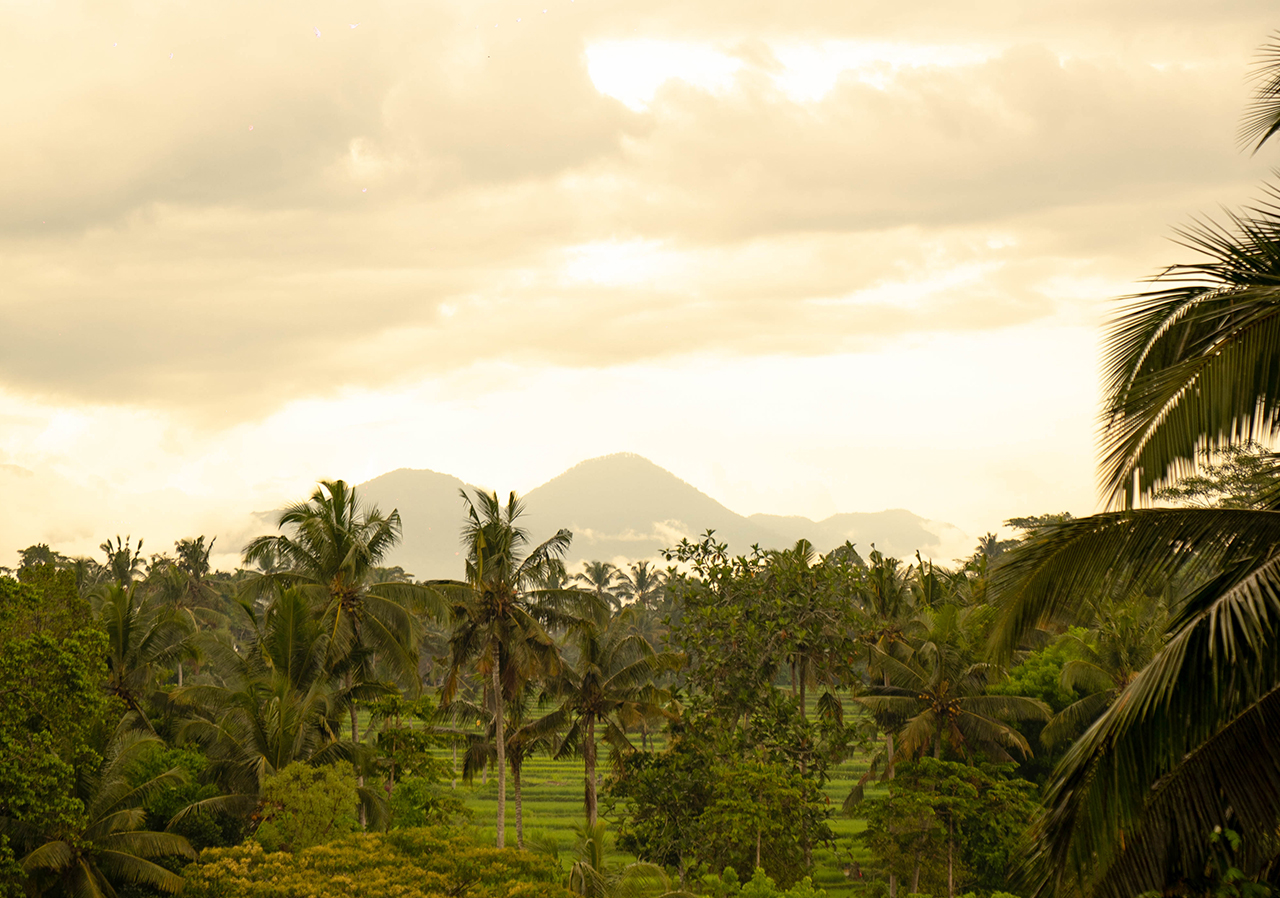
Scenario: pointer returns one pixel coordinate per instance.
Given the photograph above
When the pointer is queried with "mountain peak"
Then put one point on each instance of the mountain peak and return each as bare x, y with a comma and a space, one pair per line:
621, 507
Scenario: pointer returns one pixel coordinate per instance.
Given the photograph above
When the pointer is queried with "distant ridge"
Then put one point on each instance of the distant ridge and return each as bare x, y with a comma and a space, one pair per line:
624, 507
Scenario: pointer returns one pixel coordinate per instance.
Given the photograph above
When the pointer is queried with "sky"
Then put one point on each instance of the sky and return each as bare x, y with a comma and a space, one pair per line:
811, 257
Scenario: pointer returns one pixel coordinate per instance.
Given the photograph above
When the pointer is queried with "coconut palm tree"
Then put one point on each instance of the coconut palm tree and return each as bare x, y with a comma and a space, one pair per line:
599, 579
641, 584
1123, 639
610, 684
112, 846
500, 610
1193, 364
330, 555
592, 877
938, 696
183, 584
143, 639
277, 704
526, 734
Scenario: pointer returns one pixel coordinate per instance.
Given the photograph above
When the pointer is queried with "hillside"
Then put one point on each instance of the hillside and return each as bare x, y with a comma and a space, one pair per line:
624, 507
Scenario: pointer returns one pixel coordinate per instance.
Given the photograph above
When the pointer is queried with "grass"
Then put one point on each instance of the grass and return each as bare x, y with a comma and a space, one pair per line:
553, 806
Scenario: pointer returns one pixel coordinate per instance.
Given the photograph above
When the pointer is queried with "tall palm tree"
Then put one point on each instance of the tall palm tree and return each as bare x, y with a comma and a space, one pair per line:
143, 638
500, 609
599, 579
277, 704
642, 584
610, 685
183, 584
1193, 364
330, 555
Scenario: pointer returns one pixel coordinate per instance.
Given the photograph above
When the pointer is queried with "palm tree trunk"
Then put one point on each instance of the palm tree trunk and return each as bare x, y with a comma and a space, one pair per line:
804, 677
951, 878
915, 875
500, 738
179, 674
355, 737
454, 744
888, 751
515, 781
589, 763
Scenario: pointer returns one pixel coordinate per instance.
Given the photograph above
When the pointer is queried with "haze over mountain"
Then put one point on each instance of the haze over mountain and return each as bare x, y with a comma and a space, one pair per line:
623, 507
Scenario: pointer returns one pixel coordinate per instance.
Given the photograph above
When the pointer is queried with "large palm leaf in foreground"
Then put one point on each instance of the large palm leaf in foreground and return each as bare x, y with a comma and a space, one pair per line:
1187, 745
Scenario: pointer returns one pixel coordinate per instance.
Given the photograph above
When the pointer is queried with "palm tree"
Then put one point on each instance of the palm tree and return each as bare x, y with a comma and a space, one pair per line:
610, 685
1193, 364
183, 584
1124, 638
277, 704
598, 578
641, 584
591, 876
143, 638
124, 563
112, 846
525, 737
939, 695
499, 611
331, 554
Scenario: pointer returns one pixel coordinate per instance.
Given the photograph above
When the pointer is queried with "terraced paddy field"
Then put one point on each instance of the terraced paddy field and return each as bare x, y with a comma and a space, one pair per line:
553, 806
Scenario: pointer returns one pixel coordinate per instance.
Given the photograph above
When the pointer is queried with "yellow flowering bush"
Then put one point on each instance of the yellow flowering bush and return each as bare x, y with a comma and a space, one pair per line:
407, 863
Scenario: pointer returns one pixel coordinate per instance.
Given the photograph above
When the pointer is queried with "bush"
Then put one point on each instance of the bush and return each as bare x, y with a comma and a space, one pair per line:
307, 806
407, 863
420, 801
761, 885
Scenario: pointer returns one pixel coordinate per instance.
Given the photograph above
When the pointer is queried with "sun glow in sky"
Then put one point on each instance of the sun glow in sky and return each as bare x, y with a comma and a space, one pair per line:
812, 259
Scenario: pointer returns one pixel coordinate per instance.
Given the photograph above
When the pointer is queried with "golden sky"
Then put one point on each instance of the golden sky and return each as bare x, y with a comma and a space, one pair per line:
811, 257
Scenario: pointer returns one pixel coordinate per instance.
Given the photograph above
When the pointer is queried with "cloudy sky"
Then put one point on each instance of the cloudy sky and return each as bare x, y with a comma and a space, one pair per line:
811, 257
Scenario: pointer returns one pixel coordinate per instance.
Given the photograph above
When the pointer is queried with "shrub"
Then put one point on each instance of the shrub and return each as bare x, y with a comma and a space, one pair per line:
307, 806
406, 863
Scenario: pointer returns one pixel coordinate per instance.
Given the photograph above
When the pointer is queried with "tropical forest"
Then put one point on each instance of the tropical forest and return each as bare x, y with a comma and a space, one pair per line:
1087, 707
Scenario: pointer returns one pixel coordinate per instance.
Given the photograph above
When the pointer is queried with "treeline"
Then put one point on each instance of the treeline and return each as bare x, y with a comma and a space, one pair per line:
174, 708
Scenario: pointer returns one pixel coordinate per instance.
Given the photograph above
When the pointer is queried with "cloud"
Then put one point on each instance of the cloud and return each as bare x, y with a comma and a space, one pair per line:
220, 234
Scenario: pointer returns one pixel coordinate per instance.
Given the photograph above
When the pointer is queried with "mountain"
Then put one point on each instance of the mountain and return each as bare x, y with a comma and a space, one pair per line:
624, 507
431, 515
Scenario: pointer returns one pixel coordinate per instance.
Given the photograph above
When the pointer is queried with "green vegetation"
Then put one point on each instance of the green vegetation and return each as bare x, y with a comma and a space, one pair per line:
1089, 709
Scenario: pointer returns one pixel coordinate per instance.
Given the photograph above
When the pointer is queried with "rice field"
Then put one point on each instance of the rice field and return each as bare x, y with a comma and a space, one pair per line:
553, 806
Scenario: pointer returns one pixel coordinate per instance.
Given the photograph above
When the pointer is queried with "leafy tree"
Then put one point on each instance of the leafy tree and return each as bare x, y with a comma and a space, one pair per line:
726, 795
304, 806
52, 662
948, 826
414, 863
499, 611
1233, 477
